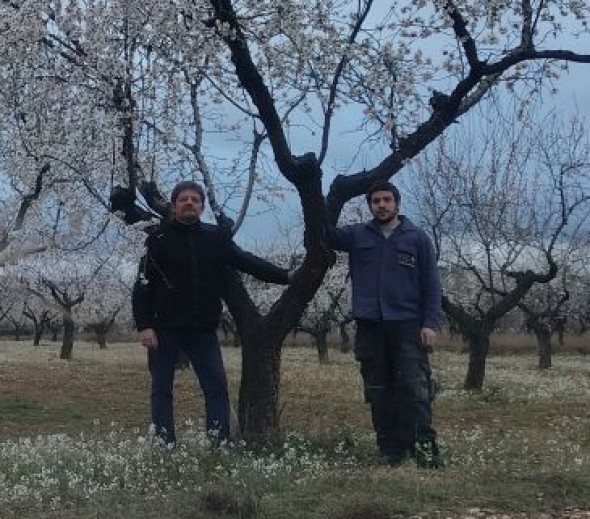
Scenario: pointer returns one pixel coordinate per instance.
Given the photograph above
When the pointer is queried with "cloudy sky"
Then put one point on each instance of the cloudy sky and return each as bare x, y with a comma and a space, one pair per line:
262, 230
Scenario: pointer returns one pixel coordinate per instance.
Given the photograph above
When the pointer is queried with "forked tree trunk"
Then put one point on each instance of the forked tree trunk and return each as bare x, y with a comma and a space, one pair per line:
100, 330
476, 333
479, 345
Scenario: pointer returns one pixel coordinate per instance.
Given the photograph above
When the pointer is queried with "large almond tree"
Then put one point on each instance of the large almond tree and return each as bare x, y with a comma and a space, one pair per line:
307, 87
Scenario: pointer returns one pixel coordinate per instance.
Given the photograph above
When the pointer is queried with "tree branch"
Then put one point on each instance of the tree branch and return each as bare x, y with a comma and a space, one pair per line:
253, 82
30, 198
463, 35
361, 16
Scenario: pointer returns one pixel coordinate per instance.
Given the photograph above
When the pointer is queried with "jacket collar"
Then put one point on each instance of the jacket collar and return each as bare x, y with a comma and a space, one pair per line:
184, 227
405, 225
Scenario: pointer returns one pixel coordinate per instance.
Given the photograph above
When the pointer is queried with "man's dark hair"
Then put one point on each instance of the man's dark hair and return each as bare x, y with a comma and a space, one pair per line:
186, 185
384, 185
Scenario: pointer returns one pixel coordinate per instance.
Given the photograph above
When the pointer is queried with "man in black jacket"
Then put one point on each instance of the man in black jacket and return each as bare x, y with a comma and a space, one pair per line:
177, 305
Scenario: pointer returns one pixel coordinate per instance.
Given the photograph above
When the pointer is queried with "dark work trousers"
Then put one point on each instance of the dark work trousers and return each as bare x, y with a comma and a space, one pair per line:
203, 351
397, 379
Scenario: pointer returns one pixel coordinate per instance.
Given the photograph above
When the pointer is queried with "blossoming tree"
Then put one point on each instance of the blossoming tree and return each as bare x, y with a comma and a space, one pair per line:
405, 71
502, 209
107, 300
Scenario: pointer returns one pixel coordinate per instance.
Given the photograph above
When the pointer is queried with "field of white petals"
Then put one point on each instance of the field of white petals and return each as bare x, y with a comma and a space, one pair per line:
75, 443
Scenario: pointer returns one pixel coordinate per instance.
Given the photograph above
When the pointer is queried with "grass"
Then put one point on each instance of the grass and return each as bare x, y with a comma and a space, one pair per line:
74, 442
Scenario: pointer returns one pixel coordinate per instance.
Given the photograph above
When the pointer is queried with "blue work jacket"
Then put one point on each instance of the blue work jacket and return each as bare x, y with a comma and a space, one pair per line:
394, 278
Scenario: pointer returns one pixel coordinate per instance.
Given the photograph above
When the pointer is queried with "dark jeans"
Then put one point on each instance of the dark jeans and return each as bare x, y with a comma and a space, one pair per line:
203, 351
397, 378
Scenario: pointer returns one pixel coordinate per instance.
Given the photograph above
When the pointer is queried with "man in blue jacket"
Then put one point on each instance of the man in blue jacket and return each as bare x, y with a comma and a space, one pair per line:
396, 302
177, 306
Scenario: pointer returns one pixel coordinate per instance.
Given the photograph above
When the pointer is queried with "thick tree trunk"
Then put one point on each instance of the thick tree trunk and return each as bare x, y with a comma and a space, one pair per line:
67, 344
258, 408
479, 345
321, 342
262, 337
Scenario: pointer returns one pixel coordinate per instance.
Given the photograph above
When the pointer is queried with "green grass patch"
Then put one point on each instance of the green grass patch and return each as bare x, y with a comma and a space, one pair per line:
15, 409
75, 444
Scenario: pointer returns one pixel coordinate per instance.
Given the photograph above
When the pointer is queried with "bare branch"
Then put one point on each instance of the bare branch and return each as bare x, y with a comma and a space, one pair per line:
526, 36
31, 197
253, 82
463, 35
361, 16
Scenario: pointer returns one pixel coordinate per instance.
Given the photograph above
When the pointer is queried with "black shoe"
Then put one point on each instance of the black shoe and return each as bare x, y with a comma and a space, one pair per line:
395, 457
426, 454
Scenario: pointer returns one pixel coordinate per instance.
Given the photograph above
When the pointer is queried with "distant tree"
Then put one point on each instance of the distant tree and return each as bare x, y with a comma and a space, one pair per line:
343, 328
62, 283
16, 318
498, 202
40, 318
322, 314
543, 309
107, 298
67, 301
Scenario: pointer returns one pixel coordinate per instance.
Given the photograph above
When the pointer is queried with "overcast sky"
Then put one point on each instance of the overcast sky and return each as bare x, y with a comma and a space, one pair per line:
573, 96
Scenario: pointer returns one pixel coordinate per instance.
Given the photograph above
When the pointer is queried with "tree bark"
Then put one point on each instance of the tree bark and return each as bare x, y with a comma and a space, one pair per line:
37, 335
321, 342
543, 335
67, 344
258, 407
101, 339
263, 337
479, 345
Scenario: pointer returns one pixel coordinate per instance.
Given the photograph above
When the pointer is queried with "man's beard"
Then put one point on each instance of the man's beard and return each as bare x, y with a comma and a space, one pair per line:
387, 218
189, 218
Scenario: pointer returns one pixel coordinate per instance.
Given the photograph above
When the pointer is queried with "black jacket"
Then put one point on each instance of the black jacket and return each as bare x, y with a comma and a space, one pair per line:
182, 272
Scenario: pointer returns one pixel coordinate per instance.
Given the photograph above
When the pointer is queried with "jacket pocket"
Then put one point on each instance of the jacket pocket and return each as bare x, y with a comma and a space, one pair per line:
406, 258
366, 253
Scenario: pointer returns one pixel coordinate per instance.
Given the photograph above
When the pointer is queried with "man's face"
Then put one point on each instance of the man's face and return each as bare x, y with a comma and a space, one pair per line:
188, 206
383, 206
